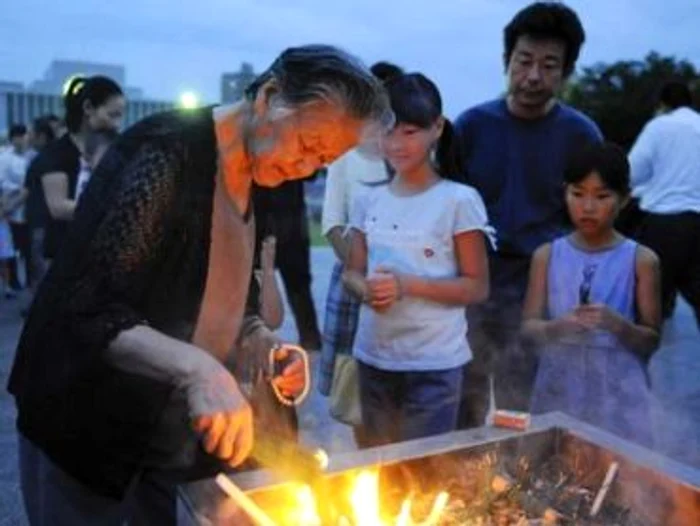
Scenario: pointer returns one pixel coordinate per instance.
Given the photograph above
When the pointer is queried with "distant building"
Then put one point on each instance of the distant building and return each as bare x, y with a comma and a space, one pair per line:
24, 106
10, 85
233, 85
60, 71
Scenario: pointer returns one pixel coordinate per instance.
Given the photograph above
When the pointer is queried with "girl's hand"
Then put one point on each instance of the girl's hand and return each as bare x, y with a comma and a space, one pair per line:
598, 316
356, 284
383, 289
567, 325
267, 254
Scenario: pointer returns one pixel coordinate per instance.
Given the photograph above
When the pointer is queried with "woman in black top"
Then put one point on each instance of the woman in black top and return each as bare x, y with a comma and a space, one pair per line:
147, 297
92, 104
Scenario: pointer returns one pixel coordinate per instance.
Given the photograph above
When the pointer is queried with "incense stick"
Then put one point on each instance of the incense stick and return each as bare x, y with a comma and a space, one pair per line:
609, 476
243, 501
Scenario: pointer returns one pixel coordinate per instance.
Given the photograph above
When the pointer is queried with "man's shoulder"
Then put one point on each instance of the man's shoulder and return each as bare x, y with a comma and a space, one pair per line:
681, 117
491, 109
577, 119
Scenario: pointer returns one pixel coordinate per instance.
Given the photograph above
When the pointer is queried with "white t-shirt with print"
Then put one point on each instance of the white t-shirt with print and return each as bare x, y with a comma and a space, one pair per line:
415, 235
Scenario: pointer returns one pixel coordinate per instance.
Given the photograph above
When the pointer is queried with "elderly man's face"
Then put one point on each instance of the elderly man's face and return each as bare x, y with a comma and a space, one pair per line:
301, 141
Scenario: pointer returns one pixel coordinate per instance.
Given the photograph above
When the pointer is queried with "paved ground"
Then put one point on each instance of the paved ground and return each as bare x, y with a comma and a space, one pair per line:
675, 373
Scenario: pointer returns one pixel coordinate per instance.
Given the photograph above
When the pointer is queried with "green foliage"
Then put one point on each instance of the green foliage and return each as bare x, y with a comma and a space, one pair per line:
621, 97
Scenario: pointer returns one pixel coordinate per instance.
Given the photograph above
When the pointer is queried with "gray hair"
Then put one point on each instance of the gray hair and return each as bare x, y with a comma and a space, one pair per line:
321, 72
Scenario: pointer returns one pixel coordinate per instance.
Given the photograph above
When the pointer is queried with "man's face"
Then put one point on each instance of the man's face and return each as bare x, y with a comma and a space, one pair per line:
535, 71
20, 143
307, 139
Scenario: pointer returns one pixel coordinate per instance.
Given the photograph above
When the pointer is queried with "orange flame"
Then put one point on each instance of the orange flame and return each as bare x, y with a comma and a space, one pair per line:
365, 504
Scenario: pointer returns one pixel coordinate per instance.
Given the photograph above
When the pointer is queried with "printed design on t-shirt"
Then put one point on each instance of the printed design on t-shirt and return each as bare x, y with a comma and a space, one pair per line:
429, 252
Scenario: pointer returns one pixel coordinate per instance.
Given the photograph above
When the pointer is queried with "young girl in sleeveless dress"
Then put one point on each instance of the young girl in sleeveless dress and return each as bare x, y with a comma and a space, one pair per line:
593, 306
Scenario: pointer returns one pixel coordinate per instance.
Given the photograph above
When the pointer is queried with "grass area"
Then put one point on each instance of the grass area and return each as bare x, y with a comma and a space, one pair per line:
317, 239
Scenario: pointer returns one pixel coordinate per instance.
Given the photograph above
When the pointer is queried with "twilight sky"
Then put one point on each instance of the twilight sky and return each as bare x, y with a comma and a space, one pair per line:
169, 46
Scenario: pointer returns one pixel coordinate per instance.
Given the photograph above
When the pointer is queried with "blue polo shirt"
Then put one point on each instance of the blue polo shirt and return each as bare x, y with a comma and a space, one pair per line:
517, 165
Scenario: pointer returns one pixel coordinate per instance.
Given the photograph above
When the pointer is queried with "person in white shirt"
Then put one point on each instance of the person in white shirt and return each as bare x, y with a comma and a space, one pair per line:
352, 175
665, 174
13, 170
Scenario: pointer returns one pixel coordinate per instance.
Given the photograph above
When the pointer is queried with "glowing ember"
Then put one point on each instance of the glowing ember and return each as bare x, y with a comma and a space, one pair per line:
322, 457
365, 506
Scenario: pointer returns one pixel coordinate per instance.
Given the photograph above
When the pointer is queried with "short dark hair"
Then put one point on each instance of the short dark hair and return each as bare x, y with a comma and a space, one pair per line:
547, 20
385, 71
318, 71
607, 159
17, 130
42, 126
98, 90
675, 94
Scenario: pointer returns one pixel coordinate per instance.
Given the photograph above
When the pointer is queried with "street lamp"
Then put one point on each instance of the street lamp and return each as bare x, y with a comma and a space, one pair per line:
189, 100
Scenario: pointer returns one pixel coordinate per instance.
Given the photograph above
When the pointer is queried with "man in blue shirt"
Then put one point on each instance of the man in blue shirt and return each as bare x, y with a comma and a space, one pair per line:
513, 150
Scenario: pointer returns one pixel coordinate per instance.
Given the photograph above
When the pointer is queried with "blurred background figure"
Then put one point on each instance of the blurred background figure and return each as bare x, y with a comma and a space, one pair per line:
92, 104
665, 164
13, 170
281, 212
44, 132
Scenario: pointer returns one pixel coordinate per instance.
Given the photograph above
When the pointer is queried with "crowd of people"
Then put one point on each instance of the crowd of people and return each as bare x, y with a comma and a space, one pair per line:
478, 265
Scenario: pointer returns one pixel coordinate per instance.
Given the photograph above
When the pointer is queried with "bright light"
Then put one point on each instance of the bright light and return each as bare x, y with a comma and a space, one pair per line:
189, 100
67, 82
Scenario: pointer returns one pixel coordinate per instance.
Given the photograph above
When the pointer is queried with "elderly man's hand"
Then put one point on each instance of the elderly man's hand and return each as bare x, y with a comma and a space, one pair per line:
220, 413
253, 360
292, 380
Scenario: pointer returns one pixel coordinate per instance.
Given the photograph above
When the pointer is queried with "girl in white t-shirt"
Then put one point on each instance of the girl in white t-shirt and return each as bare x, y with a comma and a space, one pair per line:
418, 257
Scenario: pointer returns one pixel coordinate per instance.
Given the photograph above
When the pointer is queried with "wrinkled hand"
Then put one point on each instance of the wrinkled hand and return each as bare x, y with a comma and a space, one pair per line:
267, 254
220, 413
254, 363
383, 289
292, 381
598, 316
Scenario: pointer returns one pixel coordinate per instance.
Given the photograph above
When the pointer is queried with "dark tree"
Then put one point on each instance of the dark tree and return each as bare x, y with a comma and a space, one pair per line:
621, 97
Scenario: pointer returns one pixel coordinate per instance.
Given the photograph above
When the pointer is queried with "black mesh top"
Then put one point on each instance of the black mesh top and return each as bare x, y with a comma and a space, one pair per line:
136, 253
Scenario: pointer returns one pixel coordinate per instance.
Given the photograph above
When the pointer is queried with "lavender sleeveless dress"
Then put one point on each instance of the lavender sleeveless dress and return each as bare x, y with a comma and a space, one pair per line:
594, 377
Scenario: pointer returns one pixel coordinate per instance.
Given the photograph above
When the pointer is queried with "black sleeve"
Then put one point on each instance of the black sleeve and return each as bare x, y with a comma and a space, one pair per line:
124, 250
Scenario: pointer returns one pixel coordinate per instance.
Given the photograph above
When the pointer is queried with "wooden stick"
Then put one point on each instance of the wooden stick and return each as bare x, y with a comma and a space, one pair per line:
243, 501
437, 509
607, 482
